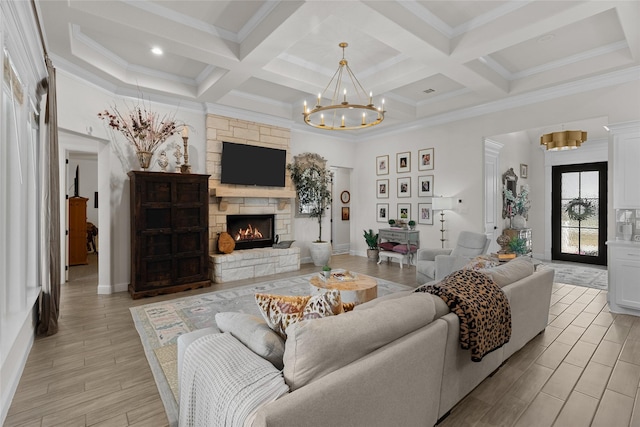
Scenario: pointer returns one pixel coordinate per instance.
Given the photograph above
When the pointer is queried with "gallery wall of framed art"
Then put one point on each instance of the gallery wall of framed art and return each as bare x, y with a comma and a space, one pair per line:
407, 177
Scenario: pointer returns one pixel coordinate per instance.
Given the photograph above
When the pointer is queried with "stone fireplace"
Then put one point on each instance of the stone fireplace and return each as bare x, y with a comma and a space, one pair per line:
252, 231
256, 201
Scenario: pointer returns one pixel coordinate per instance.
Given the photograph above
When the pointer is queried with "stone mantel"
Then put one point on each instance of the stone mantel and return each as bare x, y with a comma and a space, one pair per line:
223, 193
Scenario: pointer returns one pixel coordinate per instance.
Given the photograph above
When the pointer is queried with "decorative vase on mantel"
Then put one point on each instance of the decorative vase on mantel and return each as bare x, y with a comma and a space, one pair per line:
144, 157
518, 222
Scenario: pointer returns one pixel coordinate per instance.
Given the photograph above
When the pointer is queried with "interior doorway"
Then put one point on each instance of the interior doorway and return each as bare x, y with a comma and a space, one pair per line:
341, 211
579, 213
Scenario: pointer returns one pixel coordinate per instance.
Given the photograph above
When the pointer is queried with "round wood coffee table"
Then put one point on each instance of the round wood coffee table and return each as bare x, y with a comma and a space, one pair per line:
358, 289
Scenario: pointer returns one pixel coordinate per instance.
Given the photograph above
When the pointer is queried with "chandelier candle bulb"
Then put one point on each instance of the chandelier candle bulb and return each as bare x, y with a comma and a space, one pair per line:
370, 98
319, 98
342, 125
364, 115
304, 108
321, 119
345, 97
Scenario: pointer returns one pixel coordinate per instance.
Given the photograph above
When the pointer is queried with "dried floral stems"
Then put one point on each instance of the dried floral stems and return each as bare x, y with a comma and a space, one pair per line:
144, 129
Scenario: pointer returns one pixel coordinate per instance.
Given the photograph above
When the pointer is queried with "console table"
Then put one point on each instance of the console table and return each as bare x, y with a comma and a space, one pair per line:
398, 243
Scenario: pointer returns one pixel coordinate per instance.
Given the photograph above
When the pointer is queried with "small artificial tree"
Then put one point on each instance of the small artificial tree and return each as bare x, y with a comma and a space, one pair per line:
313, 186
371, 239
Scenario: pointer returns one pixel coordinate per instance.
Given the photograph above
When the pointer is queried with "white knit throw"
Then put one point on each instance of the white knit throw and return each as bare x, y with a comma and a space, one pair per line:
223, 383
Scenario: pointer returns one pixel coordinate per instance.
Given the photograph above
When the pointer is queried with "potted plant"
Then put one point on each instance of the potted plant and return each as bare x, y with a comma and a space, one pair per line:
313, 188
412, 224
372, 244
392, 223
518, 246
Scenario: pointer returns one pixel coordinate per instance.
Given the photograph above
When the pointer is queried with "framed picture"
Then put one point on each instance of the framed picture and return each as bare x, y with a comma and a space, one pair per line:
524, 171
425, 159
425, 186
404, 187
404, 211
345, 213
382, 165
382, 188
425, 213
382, 210
403, 162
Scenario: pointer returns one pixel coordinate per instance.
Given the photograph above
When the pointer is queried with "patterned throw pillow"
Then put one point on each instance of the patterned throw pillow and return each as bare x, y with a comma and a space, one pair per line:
481, 262
280, 311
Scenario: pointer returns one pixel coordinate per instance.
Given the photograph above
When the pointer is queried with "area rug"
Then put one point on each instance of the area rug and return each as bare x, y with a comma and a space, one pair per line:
580, 275
160, 324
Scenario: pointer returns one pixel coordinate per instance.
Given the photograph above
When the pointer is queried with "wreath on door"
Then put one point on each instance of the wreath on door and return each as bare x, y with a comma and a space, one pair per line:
579, 209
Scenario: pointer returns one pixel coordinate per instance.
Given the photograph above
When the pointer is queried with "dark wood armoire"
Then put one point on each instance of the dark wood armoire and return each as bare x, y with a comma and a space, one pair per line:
169, 232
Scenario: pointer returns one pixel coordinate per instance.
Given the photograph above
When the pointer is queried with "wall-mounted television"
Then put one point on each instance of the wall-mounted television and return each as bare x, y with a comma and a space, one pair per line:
252, 165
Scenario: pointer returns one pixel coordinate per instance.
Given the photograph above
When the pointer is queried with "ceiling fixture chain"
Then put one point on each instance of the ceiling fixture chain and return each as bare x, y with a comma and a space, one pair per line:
340, 114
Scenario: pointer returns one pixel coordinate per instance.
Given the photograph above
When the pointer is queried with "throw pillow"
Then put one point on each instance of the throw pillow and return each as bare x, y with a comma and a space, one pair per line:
280, 311
253, 332
480, 262
387, 246
510, 272
403, 249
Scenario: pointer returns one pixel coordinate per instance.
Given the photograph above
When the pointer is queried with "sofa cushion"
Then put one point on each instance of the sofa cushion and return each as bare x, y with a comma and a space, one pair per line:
387, 246
404, 249
510, 272
280, 311
253, 332
315, 349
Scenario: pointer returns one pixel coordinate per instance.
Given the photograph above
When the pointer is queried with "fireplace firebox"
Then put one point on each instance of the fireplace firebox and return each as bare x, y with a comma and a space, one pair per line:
252, 231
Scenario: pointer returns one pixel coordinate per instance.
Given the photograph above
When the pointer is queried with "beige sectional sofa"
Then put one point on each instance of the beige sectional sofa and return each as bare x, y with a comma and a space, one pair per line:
395, 360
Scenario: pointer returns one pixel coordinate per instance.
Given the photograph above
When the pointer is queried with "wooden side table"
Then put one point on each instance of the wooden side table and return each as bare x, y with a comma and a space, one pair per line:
358, 290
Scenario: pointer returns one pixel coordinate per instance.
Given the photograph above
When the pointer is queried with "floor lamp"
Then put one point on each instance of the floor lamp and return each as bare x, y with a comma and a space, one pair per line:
441, 204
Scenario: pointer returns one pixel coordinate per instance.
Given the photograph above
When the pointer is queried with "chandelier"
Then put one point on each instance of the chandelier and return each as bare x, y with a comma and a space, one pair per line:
340, 114
565, 140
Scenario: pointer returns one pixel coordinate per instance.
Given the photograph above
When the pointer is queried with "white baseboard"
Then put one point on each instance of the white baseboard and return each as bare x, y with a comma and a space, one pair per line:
13, 365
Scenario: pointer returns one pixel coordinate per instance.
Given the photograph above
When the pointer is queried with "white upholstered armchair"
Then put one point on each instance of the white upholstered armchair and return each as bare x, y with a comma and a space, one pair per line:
437, 263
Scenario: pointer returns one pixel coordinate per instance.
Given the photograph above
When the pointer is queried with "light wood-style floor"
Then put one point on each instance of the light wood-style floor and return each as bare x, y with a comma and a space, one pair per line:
584, 370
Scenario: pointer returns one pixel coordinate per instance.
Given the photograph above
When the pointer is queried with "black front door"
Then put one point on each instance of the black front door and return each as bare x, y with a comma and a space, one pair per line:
579, 213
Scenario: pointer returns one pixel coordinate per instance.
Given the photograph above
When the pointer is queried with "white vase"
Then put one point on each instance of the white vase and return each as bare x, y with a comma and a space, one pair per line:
320, 253
518, 222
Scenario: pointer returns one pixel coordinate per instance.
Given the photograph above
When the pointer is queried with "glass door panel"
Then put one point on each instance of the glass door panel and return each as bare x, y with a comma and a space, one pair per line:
578, 225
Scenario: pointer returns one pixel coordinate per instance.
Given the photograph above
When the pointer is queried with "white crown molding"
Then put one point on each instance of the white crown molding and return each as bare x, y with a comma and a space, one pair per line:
591, 83
430, 19
78, 35
249, 116
624, 127
492, 146
572, 59
182, 19
77, 73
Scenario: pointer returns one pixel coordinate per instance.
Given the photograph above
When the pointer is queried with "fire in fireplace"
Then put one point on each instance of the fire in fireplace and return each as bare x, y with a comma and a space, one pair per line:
252, 231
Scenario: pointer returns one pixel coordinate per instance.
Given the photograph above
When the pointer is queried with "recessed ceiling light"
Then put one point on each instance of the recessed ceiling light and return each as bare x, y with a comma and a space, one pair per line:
156, 50
546, 38
429, 90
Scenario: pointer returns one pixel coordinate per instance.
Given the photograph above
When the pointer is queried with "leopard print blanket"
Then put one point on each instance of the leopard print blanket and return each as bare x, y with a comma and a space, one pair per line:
481, 306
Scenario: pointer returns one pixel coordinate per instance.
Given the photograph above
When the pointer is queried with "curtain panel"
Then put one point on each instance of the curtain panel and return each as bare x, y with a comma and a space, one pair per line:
49, 304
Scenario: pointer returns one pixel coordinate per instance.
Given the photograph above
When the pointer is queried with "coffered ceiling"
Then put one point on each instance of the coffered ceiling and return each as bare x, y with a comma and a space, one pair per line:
425, 58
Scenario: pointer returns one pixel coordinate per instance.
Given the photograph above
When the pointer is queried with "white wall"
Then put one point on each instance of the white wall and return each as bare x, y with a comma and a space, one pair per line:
78, 105
458, 159
339, 153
